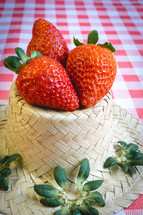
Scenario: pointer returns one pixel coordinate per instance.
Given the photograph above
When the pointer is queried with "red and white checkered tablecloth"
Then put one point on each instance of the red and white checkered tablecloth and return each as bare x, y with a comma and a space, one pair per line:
117, 21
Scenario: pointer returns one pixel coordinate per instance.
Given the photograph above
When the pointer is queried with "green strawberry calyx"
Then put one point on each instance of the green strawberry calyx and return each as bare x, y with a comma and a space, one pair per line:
93, 39
127, 157
15, 63
87, 199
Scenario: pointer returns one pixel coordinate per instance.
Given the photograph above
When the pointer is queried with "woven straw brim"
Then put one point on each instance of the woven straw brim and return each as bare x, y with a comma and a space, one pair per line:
119, 189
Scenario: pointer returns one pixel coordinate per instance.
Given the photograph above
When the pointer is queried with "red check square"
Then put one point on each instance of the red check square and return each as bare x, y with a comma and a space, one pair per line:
136, 93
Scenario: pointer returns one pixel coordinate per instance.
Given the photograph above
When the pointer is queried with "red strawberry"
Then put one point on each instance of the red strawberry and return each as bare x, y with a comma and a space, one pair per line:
43, 81
48, 40
92, 69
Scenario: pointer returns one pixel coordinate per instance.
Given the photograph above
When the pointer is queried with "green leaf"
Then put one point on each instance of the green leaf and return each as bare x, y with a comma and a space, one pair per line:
6, 172
3, 183
107, 45
88, 210
51, 202
92, 185
4, 160
97, 197
84, 171
131, 155
77, 42
134, 155
123, 144
138, 155
60, 177
109, 162
93, 37
12, 63
123, 166
76, 212
62, 211
87, 202
35, 54
136, 162
46, 190
11, 158
131, 147
21, 54
131, 169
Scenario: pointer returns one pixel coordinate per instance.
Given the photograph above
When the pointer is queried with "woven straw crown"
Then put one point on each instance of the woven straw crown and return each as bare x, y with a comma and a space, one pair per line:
46, 137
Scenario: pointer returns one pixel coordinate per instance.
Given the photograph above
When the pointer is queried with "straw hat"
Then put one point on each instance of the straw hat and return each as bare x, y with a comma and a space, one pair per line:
45, 138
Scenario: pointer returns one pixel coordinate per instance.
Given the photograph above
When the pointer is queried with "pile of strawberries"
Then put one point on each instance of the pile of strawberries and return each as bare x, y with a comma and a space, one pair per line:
49, 75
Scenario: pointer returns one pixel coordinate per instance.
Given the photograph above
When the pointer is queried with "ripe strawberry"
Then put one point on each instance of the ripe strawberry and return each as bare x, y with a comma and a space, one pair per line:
48, 40
92, 69
43, 81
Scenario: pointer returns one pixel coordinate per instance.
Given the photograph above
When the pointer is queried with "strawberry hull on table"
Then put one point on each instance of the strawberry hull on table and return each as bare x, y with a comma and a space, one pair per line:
51, 76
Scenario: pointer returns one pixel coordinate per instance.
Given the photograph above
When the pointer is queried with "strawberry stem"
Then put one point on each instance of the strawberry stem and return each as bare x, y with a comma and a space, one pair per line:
13, 63
77, 42
21, 54
108, 45
93, 39
35, 54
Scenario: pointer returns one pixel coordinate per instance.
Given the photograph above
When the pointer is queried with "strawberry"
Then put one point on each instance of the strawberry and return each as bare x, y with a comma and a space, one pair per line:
92, 69
48, 40
43, 81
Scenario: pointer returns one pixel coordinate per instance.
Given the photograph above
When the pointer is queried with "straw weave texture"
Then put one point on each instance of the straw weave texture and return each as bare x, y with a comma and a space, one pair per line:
119, 190
45, 137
